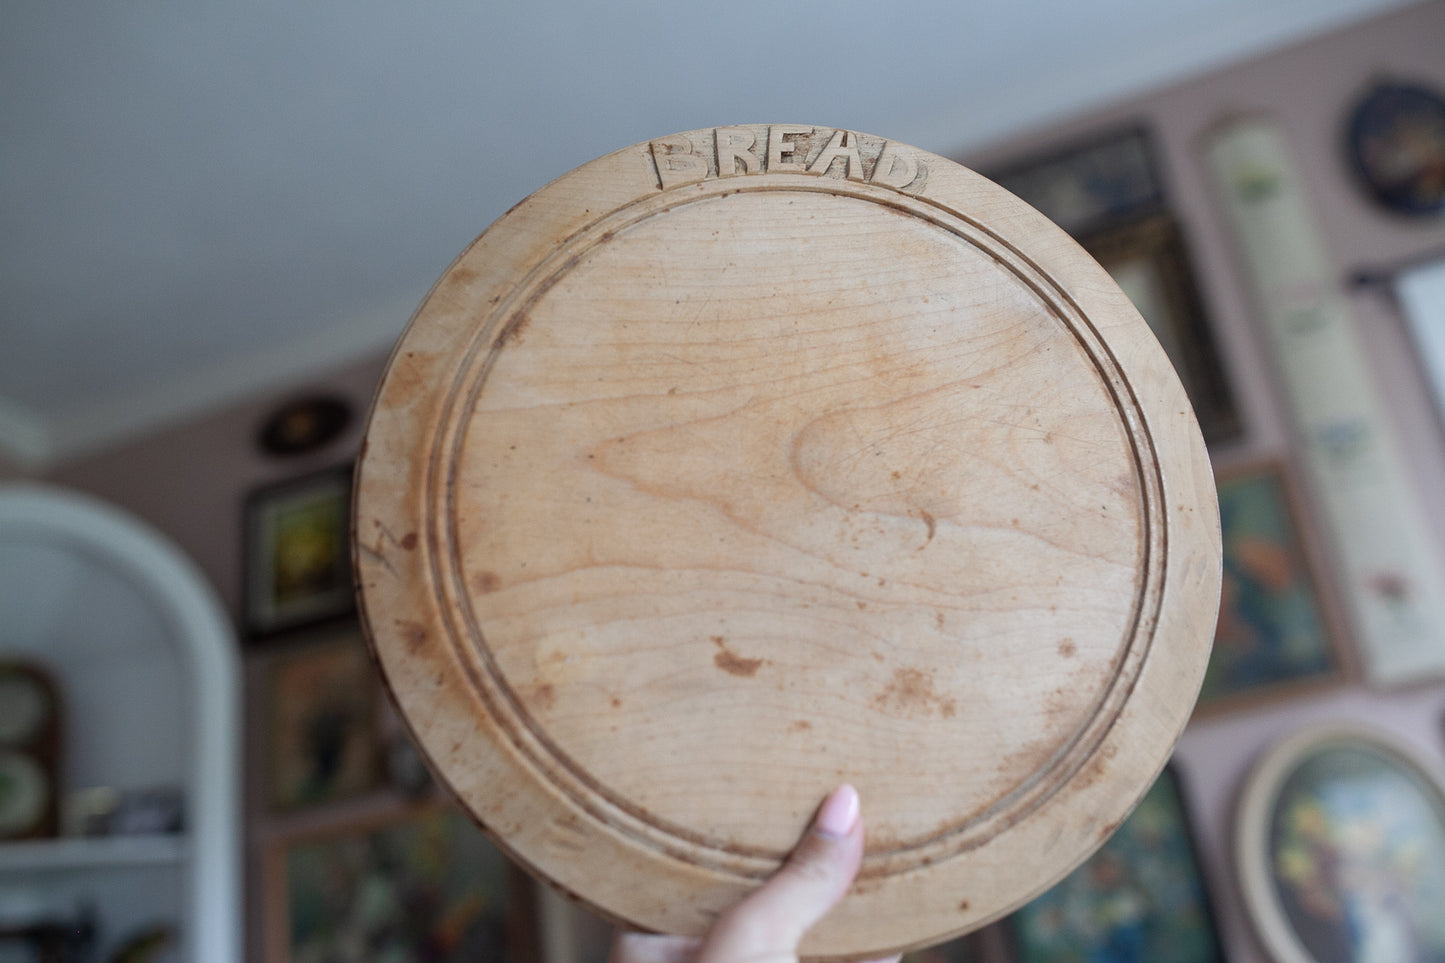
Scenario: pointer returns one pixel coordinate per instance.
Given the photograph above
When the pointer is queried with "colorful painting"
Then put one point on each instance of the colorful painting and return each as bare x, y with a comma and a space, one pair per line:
324, 737
426, 887
1357, 856
1139, 898
1271, 628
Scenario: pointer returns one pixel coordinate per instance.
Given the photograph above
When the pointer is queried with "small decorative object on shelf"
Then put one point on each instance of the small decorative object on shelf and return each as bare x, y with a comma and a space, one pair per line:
304, 425
298, 564
1396, 141
30, 714
1341, 847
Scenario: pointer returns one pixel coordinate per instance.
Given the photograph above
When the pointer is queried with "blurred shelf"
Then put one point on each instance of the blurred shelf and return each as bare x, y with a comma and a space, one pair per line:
91, 853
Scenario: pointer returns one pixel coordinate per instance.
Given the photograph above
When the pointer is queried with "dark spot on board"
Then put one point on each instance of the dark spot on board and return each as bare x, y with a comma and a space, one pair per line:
408, 541
544, 696
484, 582
413, 636
800, 725
461, 275
1067, 648
718, 640
1108, 830
616, 703
932, 524
734, 664
963, 906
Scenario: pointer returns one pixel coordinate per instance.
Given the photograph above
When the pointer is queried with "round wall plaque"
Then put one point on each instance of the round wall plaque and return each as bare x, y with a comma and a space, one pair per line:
750, 460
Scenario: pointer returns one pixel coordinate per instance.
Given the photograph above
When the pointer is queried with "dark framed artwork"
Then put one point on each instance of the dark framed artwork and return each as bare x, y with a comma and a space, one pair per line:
324, 741
1273, 633
1090, 185
1396, 143
418, 883
1149, 261
1141, 897
1341, 847
298, 558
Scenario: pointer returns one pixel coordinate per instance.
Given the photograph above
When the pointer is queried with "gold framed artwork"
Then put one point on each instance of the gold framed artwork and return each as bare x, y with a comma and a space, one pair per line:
324, 737
1341, 847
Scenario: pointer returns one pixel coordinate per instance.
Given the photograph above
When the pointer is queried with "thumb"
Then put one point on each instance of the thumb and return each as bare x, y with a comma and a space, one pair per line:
772, 920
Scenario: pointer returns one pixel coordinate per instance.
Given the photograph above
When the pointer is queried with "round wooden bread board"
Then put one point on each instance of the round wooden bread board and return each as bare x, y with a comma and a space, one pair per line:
747, 461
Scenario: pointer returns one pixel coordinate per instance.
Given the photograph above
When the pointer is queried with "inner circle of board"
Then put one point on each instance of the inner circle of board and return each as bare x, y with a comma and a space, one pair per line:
511, 709
592, 749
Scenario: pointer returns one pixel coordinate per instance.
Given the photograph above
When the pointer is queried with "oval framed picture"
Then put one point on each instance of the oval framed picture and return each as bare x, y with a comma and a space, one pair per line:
1341, 848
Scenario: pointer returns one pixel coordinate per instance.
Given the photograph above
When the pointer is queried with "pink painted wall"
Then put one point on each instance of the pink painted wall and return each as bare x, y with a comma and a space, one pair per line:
191, 480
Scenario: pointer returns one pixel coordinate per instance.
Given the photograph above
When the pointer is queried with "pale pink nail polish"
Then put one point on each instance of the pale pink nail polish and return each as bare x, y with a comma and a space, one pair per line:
838, 813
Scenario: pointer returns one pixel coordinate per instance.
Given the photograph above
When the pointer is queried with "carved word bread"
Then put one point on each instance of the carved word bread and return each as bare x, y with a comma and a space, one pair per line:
749, 460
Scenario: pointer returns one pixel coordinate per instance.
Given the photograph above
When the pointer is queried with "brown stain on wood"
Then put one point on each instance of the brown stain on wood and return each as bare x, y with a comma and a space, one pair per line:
1067, 648
963, 906
512, 333
544, 696
413, 636
800, 725
732, 663
408, 541
485, 582
911, 691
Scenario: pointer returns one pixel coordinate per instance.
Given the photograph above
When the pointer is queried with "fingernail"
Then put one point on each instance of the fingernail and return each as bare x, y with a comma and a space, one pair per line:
839, 812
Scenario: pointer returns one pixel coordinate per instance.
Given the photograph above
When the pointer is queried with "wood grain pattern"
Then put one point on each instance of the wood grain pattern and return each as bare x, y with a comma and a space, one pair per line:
748, 460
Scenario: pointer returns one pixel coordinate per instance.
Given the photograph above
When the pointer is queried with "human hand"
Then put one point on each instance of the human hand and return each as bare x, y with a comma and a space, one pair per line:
768, 925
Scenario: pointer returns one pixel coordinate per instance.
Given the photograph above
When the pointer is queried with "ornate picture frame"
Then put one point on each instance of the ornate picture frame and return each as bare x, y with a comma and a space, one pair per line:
1340, 847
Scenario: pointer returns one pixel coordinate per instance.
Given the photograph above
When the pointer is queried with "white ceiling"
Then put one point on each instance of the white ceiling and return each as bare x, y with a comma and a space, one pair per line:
202, 201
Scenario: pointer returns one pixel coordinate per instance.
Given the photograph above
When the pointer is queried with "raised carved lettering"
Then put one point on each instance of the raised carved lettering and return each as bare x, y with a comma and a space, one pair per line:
684, 159
895, 168
842, 145
677, 162
782, 143
735, 151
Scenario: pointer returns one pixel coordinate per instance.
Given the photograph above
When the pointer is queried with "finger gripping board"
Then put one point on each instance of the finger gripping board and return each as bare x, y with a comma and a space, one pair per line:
749, 460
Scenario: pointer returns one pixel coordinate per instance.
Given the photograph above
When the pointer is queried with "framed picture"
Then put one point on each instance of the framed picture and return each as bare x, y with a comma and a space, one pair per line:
1341, 848
323, 737
1091, 185
298, 557
1141, 897
419, 883
1272, 634
1148, 260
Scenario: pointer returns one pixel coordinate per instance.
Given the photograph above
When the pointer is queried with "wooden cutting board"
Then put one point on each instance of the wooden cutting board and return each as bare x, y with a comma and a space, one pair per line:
749, 460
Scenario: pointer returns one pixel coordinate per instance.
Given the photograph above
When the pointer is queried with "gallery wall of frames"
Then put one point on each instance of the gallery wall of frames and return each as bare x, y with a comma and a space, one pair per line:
1281, 227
